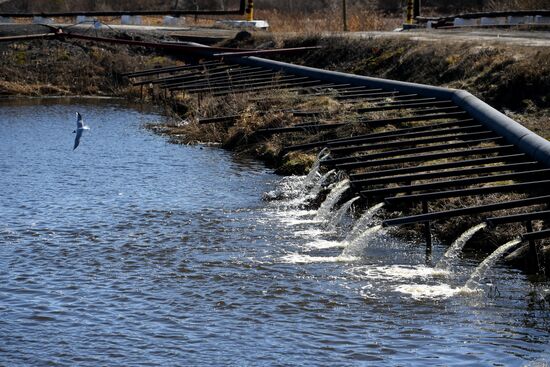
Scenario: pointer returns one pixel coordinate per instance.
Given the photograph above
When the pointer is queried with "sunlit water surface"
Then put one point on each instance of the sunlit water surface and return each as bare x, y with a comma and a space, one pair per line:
131, 251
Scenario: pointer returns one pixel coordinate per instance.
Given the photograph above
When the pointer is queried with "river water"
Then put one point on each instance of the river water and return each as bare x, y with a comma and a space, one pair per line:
132, 251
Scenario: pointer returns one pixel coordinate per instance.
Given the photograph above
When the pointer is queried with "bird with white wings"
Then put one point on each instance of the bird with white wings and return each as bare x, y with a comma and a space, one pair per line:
80, 127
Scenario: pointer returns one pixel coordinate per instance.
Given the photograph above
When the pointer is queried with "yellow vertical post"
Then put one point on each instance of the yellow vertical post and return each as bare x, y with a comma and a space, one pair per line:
345, 15
410, 5
250, 11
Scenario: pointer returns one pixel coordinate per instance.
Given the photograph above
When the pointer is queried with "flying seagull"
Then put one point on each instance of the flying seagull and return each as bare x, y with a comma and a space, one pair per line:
80, 127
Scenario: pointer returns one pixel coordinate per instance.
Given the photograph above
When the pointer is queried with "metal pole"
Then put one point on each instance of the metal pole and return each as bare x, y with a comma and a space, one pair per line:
533, 246
345, 15
410, 5
416, 11
250, 11
427, 230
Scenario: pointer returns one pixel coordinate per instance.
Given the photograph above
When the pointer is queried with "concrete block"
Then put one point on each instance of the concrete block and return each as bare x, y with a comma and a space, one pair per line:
126, 20
42, 20
260, 24
173, 21
488, 21
540, 19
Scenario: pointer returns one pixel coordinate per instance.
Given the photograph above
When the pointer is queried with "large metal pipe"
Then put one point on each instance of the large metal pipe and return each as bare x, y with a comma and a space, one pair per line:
526, 140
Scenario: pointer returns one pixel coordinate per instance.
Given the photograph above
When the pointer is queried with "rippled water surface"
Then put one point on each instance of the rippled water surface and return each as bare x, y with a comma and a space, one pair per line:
132, 251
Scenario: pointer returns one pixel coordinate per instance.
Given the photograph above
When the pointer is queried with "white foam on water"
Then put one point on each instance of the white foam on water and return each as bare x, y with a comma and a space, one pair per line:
397, 272
298, 221
295, 217
324, 244
297, 258
424, 291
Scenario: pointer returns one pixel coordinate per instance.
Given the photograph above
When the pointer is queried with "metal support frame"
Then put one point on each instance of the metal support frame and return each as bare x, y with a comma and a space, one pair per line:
392, 143
539, 235
356, 161
520, 157
441, 174
427, 229
171, 69
243, 85
288, 87
420, 218
194, 75
403, 106
533, 251
458, 183
433, 130
223, 80
517, 218
432, 196
427, 157
404, 132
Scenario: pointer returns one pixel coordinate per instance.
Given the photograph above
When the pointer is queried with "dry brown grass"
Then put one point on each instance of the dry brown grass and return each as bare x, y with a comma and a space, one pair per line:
328, 20
54, 67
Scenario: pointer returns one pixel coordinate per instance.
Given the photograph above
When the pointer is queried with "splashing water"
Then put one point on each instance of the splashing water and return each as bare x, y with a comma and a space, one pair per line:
297, 258
454, 250
339, 216
314, 173
363, 222
395, 273
316, 189
425, 291
288, 187
356, 246
333, 197
486, 264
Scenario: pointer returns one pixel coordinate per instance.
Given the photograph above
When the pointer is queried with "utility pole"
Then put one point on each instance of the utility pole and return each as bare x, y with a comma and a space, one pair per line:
345, 15
410, 6
416, 8
250, 11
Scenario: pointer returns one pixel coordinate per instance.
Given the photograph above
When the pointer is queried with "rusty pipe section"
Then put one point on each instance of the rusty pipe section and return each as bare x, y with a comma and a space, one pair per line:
526, 141
27, 37
192, 49
118, 13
